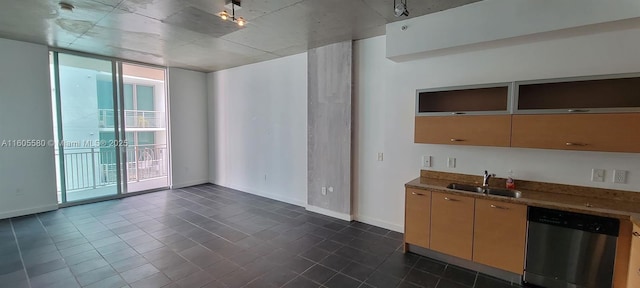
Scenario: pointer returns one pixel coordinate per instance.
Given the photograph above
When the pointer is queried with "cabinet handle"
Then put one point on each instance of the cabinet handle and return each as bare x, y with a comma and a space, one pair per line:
456, 140
499, 207
458, 113
636, 234
417, 194
574, 144
451, 199
577, 110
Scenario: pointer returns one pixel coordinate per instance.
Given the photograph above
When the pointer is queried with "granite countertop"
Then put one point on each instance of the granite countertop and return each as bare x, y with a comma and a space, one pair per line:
588, 201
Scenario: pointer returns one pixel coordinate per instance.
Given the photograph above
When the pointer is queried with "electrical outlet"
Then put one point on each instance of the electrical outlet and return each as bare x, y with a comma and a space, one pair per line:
380, 156
426, 161
597, 175
620, 176
451, 162
324, 191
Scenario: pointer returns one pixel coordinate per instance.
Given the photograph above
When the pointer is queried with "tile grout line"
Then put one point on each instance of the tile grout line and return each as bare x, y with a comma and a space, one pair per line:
15, 237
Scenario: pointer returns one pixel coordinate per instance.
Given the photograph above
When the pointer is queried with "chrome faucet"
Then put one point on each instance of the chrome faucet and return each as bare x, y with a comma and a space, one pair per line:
486, 177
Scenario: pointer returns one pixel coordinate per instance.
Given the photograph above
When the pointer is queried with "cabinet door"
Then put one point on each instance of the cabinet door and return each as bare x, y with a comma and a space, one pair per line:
477, 130
634, 262
417, 217
499, 235
452, 224
589, 132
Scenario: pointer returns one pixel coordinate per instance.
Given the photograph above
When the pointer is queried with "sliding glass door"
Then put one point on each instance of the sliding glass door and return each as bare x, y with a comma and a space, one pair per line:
110, 127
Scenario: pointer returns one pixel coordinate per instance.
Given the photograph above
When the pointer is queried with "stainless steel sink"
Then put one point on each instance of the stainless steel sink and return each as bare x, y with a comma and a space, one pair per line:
488, 191
464, 187
503, 192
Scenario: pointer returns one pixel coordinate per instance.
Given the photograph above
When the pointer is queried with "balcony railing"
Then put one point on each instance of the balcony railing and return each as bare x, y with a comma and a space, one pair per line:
133, 119
91, 168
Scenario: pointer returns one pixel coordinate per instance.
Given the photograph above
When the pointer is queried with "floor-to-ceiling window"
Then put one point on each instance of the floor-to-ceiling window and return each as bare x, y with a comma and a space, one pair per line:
110, 127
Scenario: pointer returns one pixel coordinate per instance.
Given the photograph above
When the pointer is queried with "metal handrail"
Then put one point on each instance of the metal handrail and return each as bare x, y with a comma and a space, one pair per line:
133, 118
93, 167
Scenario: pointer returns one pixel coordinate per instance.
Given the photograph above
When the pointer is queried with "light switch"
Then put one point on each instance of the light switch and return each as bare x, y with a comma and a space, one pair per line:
426, 161
451, 162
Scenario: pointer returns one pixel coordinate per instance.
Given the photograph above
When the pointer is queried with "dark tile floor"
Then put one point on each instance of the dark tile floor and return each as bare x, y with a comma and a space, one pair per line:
211, 236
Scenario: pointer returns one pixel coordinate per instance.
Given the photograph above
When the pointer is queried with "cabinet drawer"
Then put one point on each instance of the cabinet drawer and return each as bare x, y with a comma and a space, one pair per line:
499, 235
477, 130
452, 224
417, 217
588, 132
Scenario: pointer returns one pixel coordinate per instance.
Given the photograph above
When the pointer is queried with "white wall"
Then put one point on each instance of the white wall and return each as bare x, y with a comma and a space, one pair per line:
188, 120
27, 175
258, 128
384, 115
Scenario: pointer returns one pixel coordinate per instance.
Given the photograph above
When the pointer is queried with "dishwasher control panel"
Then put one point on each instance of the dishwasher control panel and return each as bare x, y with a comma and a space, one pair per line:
579, 221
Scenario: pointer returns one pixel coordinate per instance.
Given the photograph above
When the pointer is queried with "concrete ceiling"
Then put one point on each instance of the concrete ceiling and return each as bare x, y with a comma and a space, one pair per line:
189, 34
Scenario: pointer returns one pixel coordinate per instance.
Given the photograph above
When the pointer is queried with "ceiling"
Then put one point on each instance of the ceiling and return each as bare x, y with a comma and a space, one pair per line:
189, 34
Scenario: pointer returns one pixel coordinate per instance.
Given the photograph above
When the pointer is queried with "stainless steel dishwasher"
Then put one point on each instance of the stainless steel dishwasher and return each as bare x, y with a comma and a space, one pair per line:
570, 250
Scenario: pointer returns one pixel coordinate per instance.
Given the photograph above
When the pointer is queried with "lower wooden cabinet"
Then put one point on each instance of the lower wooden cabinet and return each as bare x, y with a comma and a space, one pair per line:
499, 235
417, 218
634, 261
452, 224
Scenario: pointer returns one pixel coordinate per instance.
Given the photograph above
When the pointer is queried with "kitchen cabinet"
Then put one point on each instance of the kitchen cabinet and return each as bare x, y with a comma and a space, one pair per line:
477, 130
615, 132
464, 100
597, 113
417, 217
499, 234
452, 224
634, 261
466, 115
593, 94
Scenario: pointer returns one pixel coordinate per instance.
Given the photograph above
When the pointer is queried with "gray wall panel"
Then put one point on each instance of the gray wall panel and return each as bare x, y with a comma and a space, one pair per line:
329, 126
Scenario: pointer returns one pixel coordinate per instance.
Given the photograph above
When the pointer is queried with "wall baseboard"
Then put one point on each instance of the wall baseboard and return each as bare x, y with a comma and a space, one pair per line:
189, 183
330, 213
28, 211
277, 197
379, 223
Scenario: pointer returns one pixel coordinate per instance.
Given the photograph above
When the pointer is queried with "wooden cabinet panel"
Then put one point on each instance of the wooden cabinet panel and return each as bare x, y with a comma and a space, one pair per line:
634, 261
589, 132
417, 217
477, 130
499, 235
452, 224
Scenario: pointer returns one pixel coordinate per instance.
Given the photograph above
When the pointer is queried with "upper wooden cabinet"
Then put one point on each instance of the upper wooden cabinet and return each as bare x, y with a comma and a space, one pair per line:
634, 262
452, 224
595, 94
464, 100
417, 218
586, 132
499, 235
595, 113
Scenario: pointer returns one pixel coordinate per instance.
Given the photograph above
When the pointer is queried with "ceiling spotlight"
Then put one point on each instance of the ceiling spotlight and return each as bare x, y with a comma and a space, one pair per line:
224, 15
400, 9
66, 6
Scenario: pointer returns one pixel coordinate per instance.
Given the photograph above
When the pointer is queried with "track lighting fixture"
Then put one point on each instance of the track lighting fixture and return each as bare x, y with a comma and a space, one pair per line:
224, 15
